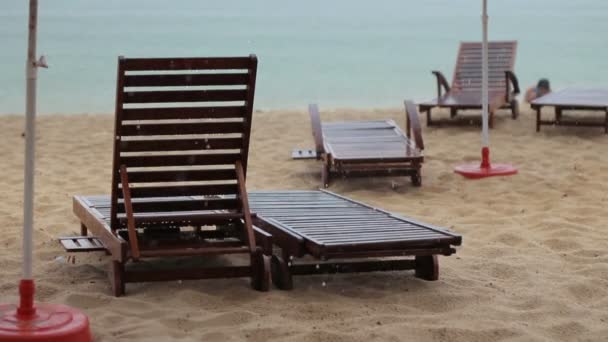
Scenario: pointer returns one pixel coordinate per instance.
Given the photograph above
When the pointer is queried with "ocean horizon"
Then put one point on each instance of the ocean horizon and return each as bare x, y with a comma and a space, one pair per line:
337, 53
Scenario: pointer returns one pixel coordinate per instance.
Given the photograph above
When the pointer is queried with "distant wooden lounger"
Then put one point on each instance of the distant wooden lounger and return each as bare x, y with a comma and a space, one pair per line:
587, 99
465, 92
327, 227
364, 148
178, 173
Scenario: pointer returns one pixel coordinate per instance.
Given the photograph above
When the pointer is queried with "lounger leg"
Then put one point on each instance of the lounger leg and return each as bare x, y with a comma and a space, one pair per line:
514, 109
83, 230
453, 112
427, 267
538, 119
281, 274
491, 121
417, 178
558, 115
260, 264
325, 174
117, 278
429, 122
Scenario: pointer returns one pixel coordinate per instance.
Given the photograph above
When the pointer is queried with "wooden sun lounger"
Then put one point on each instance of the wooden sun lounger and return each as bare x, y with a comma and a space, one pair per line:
365, 148
465, 92
173, 144
328, 227
587, 99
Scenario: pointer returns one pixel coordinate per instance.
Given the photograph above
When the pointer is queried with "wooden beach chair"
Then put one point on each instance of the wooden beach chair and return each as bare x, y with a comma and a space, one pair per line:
366, 148
343, 236
178, 175
570, 99
465, 91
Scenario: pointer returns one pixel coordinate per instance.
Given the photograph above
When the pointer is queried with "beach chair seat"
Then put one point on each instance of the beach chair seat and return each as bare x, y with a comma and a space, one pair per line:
180, 156
367, 148
465, 91
342, 236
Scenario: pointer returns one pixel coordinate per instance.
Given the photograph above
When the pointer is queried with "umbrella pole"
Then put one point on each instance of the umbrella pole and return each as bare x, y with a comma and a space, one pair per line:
485, 139
26, 288
485, 169
46, 322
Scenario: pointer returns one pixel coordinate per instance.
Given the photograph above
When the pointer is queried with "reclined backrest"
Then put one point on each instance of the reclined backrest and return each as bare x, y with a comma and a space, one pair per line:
467, 73
181, 126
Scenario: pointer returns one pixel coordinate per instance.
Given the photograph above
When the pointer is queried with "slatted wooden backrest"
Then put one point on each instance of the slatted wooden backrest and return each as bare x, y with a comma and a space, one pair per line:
467, 73
181, 125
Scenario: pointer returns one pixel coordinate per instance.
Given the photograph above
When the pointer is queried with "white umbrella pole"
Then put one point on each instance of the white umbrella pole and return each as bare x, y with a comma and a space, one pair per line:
30, 116
485, 140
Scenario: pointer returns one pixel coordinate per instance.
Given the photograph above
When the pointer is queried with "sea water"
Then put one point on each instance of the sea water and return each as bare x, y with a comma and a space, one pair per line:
339, 53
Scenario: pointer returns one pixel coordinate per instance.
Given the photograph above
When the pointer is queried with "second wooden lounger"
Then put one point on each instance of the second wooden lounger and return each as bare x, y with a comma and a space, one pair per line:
366, 148
465, 92
326, 226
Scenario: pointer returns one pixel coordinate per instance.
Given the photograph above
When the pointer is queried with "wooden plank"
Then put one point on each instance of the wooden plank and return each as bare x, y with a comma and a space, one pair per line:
194, 251
140, 176
182, 205
166, 113
351, 267
173, 80
134, 276
172, 96
74, 244
211, 143
181, 128
180, 160
189, 190
140, 64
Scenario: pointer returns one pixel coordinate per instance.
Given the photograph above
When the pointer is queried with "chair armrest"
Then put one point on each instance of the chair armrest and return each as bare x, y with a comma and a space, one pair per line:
263, 240
317, 131
126, 191
413, 124
512, 79
441, 83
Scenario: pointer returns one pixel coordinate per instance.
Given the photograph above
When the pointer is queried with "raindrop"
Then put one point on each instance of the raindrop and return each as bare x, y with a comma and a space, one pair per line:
323, 284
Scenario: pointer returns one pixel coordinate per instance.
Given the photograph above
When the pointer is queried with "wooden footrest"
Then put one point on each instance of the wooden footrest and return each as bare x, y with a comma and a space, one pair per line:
82, 244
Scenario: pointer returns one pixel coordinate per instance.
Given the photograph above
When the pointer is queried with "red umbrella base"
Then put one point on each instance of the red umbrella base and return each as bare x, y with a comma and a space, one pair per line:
485, 168
475, 171
44, 322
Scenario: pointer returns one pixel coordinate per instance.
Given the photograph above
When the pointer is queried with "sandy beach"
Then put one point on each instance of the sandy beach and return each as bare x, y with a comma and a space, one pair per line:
533, 265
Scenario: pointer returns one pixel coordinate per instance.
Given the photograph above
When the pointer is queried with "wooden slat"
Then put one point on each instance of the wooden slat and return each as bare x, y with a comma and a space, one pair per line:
185, 96
182, 205
190, 190
186, 217
139, 176
81, 244
140, 64
182, 128
180, 144
180, 160
173, 80
183, 113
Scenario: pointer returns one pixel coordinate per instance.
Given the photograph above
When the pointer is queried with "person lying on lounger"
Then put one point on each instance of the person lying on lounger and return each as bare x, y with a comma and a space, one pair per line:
542, 88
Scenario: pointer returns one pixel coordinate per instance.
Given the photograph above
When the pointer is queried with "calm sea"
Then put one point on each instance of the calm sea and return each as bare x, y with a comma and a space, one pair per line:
336, 52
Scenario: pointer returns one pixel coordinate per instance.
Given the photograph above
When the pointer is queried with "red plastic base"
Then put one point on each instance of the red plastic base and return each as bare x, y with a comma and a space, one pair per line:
43, 322
485, 168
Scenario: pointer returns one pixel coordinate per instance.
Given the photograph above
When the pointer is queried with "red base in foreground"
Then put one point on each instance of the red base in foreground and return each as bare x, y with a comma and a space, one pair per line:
485, 169
44, 322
